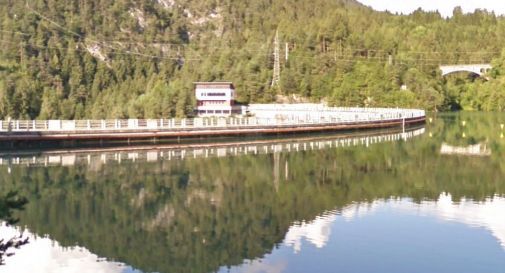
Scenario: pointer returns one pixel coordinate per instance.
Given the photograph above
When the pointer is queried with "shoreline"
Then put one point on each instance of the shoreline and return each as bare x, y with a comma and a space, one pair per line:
223, 148
72, 133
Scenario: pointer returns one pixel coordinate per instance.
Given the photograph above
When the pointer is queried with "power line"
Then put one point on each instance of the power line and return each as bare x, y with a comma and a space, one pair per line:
99, 42
121, 51
296, 55
87, 51
15, 32
418, 52
371, 54
178, 58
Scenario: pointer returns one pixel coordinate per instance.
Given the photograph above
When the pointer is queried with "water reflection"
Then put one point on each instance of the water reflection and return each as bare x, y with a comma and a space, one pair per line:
44, 255
369, 225
317, 232
486, 214
98, 156
10, 204
324, 208
480, 149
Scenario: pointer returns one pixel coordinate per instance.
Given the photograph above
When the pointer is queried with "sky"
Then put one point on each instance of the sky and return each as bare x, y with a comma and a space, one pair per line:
445, 7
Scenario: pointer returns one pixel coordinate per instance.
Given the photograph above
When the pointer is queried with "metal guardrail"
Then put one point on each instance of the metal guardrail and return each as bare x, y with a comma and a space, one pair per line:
324, 117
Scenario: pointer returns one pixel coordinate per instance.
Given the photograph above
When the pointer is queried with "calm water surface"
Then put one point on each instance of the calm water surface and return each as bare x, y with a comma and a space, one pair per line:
432, 201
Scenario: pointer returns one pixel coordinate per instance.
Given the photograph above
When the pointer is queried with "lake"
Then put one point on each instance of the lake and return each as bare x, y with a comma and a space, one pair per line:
427, 200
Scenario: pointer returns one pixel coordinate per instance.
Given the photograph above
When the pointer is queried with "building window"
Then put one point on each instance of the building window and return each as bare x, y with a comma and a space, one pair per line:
217, 94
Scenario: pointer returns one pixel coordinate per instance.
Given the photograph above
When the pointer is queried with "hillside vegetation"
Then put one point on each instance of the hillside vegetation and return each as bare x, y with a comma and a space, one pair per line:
120, 58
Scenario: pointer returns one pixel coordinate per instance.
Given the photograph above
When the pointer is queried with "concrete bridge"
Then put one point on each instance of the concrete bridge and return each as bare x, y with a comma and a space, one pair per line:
478, 69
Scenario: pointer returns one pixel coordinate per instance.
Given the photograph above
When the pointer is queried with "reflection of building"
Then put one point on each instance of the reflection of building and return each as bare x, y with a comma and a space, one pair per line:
216, 99
472, 150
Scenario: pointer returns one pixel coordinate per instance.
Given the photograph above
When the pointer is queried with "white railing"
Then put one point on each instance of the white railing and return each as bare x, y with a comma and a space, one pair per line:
104, 156
330, 116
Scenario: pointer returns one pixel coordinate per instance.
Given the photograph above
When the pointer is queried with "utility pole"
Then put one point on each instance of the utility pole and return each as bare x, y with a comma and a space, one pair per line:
277, 62
21, 54
287, 52
180, 58
340, 48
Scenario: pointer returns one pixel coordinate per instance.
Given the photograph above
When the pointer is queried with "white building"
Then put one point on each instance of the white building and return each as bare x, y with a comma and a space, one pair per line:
216, 99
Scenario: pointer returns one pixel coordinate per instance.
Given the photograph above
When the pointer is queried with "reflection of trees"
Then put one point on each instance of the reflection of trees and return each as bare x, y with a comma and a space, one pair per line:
469, 128
7, 245
9, 203
199, 214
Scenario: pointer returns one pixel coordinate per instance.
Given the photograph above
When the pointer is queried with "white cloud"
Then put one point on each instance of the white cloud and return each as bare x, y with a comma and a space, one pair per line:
485, 214
258, 266
43, 255
445, 7
316, 232
475, 214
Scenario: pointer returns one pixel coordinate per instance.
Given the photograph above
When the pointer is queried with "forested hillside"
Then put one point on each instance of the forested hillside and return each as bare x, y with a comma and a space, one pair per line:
122, 58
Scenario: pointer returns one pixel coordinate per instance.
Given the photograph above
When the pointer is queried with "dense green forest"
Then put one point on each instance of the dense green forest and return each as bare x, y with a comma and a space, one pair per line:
122, 58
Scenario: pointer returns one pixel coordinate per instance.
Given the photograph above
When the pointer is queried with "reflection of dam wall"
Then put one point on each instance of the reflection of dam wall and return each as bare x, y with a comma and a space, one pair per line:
161, 153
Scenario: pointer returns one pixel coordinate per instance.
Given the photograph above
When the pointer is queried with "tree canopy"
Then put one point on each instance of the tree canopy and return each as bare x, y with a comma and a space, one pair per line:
117, 59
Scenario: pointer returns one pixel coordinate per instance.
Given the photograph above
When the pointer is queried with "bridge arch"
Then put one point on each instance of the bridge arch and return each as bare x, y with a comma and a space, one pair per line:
477, 69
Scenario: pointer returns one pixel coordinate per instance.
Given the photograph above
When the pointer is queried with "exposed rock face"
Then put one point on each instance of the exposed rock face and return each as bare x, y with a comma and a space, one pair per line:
168, 4
139, 15
96, 51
